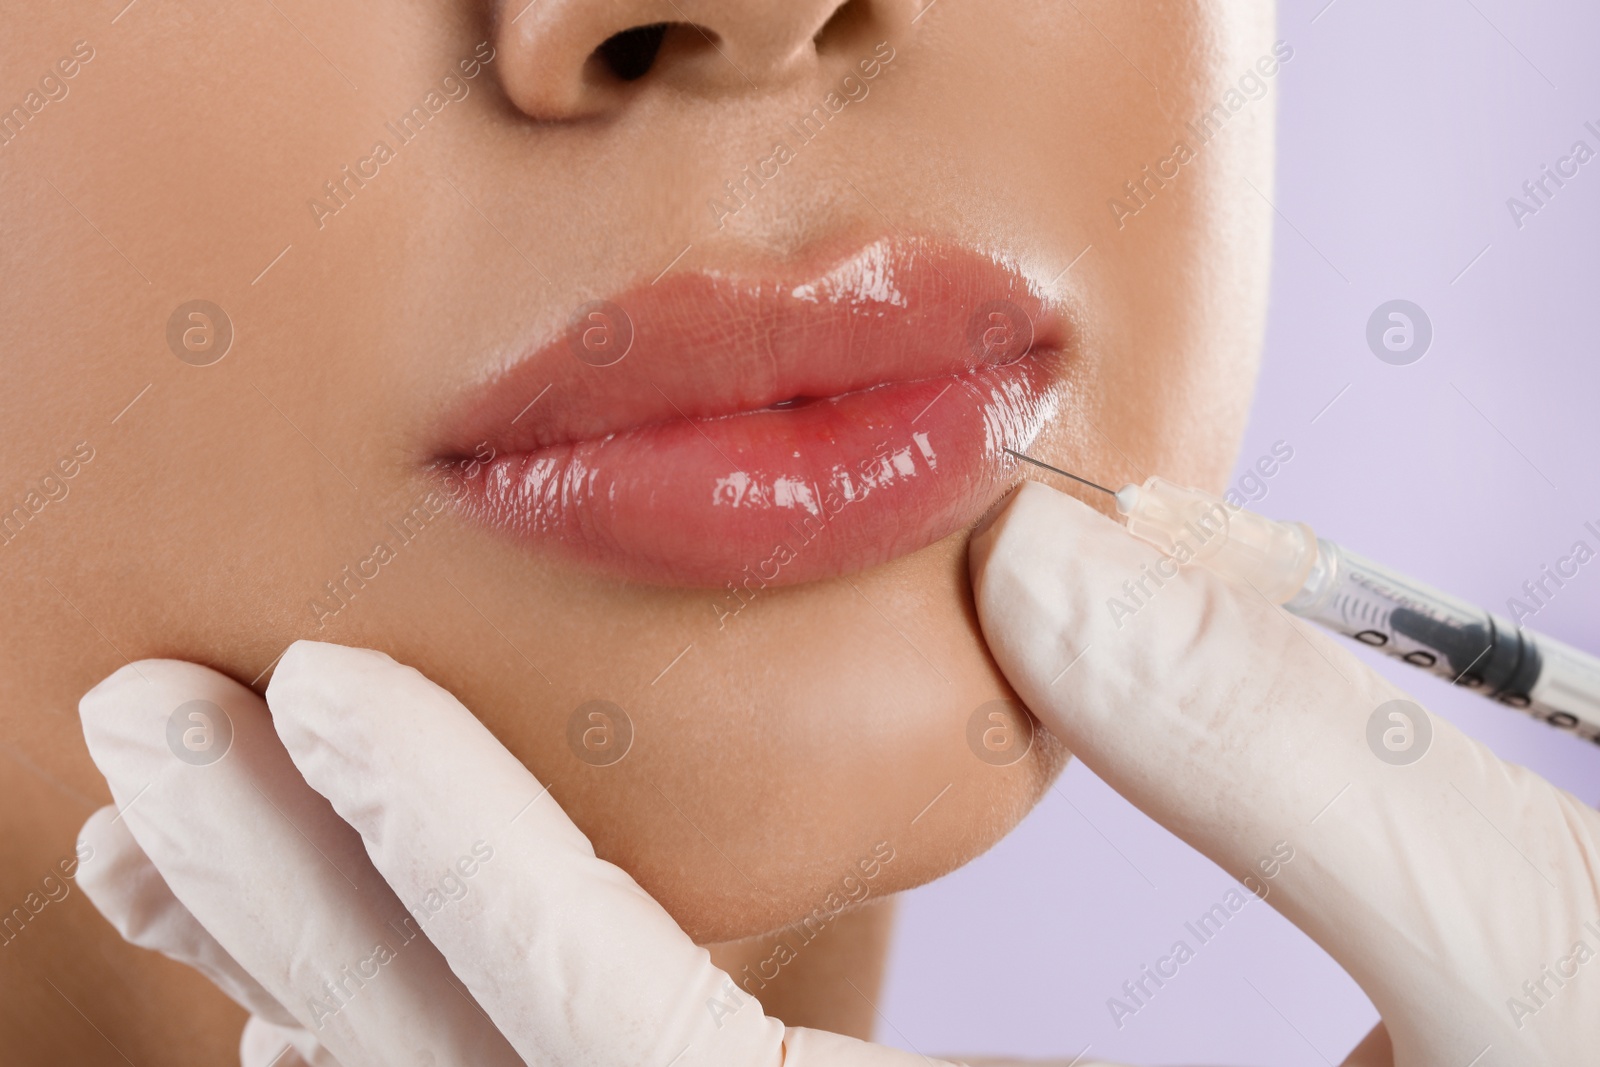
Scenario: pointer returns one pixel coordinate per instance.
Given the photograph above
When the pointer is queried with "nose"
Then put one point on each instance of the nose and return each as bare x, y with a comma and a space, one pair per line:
574, 59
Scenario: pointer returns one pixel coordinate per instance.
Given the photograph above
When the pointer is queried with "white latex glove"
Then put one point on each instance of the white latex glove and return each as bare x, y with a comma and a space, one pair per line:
1441, 886
380, 881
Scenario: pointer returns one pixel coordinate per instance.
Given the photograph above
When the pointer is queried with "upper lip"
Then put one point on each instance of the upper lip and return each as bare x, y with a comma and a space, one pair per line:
708, 345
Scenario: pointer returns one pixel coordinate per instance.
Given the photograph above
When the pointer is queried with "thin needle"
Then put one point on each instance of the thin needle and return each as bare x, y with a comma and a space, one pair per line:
1064, 474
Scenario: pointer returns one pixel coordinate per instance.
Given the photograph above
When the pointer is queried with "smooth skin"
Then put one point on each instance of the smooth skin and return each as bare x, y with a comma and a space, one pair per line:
179, 165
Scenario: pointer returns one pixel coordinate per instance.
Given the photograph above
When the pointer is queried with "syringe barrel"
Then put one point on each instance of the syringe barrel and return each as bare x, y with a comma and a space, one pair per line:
1318, 580
1458, 641
1269, 556
1567, 693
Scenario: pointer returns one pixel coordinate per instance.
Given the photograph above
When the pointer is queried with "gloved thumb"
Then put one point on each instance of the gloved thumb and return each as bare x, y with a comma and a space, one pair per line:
1438, 876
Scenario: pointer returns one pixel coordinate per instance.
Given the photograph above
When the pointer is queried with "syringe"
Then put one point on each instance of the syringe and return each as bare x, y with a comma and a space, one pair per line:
1316, 579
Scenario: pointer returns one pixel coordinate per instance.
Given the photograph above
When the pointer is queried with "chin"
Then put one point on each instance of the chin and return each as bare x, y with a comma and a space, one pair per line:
808, 872
817, 756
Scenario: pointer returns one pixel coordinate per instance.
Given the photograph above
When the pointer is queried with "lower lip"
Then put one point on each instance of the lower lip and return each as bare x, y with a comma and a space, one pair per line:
783, 495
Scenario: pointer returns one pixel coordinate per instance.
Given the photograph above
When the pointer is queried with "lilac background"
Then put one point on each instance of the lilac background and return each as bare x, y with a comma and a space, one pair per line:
1403, 129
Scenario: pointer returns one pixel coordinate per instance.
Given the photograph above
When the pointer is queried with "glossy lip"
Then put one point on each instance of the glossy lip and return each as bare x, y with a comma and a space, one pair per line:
763, 432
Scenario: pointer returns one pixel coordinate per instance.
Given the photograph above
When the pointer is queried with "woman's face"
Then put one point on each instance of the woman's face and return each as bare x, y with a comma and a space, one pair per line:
668, 373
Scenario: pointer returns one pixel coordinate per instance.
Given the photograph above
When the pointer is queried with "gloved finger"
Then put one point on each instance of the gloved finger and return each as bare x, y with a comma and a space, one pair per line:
509, 889
130, 893
572, 959
262, 862
265, 1044
1440, 885
127, 889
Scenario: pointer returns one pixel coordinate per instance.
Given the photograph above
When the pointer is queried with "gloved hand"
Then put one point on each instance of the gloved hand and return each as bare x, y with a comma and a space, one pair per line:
381, 883
1459, 891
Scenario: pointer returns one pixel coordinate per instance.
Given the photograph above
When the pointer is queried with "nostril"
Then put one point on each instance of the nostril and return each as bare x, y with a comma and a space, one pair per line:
580, 59
629, 55
848, 22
